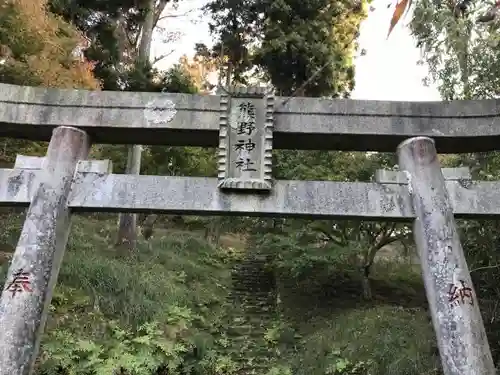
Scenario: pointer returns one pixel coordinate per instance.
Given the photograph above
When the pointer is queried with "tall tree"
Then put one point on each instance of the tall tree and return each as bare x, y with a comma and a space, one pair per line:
38, 49
235, 26
127, 225
115, 30
461, 53
200, 68
307, 45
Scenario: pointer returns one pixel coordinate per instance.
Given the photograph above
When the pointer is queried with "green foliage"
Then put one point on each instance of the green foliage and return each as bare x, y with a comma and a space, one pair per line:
142, 352
297, 256
362, 341
235, 25
329, 165
177, 80
310, 40
462, 55
361, 240
113, 27
280, 370
167, 308
36, 48
326, 361
180, 161
387, 340
144, 288
297, 41
156, 314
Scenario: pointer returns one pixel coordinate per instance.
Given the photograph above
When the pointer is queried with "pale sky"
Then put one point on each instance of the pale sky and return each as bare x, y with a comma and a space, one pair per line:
388, 71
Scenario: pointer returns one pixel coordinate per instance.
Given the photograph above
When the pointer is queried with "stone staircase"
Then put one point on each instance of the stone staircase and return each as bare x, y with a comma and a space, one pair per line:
253, 301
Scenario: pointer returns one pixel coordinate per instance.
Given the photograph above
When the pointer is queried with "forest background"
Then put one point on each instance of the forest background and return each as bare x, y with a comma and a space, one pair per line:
203, 295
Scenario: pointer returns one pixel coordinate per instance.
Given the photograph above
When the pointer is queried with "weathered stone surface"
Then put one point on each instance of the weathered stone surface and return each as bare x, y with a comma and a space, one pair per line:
200, 196
17, 186
453, 303
245, 140
320, 199
299, 123
88, 166
29, 162
35, 265
397, 177
95, 166
190, 195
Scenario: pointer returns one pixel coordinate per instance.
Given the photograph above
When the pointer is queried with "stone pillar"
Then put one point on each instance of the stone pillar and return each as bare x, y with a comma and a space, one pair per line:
33, 272
453, 303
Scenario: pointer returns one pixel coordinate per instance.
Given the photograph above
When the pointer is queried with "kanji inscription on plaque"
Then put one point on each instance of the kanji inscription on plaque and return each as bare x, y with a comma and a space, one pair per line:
245, 140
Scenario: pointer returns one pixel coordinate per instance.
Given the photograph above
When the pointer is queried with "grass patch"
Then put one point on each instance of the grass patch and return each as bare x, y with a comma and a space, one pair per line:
176, 269
398, 341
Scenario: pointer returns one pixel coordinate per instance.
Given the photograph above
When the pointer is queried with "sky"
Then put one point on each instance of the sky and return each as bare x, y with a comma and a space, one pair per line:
388, 71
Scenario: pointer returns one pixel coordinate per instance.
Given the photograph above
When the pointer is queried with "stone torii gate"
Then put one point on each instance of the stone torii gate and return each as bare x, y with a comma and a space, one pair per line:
246, 126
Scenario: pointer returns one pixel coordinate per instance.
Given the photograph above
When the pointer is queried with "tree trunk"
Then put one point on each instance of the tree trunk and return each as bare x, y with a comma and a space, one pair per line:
365, 283
127, 225
368, 260
213, 230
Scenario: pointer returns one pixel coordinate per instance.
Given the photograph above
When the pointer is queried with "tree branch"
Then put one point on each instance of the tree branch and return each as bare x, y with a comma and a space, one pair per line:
176, 15
131, 42
330, 237
345, 232
158, 11
372, 251
374, 235
485, 268
161, 57
391, 229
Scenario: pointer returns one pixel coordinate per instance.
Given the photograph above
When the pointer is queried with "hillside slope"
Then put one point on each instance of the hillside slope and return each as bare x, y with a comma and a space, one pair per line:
181, 306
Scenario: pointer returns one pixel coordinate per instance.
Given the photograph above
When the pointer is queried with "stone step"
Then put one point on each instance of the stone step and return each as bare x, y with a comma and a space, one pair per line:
263, 260
237, 301
255, 298
253, 276
254, 304
252, 267
253, 291
257, 283
250, 340
239, 330
264, 299
258, 328
250, 291
251, 270
262, 267
257, 275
